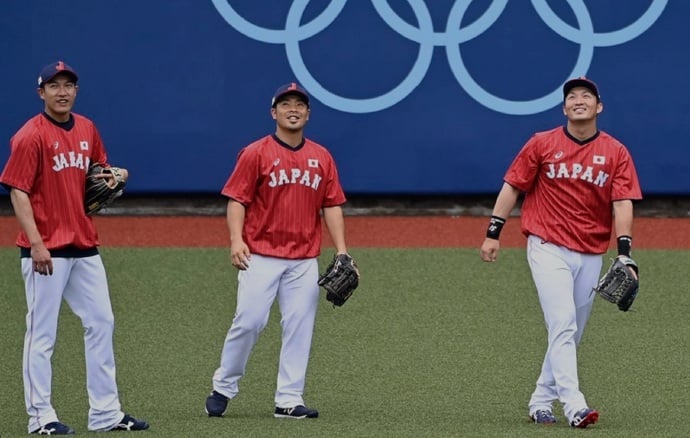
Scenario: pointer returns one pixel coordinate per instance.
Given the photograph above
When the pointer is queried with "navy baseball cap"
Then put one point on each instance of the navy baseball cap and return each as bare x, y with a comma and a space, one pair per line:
52, 70
581, 82
293, 88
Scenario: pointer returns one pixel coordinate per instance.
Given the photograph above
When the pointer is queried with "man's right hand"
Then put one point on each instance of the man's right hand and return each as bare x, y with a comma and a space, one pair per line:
42, 261
489, 250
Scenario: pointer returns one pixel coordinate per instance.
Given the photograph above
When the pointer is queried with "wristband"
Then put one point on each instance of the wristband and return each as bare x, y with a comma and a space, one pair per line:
624, 245
495, 226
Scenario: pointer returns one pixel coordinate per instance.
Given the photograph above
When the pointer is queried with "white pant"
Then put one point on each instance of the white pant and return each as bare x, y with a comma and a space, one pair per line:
564, 281
294, 283
82, 283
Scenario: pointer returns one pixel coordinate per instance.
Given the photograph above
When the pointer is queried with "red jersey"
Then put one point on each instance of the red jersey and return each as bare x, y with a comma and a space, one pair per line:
284, 190
49, 161
569, 187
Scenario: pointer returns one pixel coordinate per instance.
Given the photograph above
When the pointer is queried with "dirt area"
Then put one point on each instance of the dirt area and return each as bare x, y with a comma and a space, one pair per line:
370, 222
362, 231
369, 205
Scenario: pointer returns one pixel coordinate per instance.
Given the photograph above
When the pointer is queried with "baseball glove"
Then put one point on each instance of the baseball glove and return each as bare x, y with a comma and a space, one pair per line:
100, 192
619, 285
340, 279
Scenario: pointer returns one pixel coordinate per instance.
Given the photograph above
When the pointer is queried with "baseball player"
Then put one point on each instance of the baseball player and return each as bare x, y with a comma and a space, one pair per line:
58, 245
279, 187
578, 181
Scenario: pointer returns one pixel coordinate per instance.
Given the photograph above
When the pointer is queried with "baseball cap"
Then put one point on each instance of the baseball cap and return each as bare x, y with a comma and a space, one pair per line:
291, 88
51, 70
581, 82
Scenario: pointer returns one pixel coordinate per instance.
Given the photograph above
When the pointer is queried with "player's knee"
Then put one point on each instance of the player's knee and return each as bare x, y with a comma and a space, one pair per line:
248, 324
100, 323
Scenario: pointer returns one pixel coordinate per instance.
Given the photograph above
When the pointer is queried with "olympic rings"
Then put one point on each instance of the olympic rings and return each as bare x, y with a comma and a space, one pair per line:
427, 38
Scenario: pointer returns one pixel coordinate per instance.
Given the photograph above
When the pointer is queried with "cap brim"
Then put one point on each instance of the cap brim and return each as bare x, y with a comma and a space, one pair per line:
281, 96
579, 82
61, 72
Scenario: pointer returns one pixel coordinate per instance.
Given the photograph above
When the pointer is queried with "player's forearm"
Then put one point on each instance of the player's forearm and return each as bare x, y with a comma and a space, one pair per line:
235, 219
623, 221
506, 200
335, 222
25, 215
623, 217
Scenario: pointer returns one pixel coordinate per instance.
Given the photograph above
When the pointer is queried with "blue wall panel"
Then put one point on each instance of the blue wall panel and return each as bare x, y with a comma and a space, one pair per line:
411, 97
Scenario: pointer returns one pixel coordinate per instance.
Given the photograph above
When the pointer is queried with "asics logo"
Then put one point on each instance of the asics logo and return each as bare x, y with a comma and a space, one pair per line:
452, 38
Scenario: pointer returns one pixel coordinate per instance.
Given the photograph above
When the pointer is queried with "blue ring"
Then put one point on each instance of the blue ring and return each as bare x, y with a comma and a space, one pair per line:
427, 39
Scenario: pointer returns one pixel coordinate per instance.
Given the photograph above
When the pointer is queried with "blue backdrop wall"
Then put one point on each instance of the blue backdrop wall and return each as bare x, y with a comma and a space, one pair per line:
411, 96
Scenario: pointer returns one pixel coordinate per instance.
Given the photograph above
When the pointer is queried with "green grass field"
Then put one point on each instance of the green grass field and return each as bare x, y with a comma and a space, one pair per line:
433, 343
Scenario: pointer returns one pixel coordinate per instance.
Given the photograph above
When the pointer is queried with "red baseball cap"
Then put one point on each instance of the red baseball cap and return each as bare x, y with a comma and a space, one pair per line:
581, 82
51, 70
293, 88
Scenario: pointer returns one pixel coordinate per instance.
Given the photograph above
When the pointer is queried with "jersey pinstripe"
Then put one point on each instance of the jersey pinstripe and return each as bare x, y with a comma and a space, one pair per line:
283, 190
569, 187
49, 162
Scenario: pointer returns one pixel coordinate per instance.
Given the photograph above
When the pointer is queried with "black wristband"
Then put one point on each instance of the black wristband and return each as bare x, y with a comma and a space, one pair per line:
624, 245
495, 226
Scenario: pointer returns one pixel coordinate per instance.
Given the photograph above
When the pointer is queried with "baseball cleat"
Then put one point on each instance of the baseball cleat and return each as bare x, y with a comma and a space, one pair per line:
298, 412
585, 417
54, 428
130, 424
543, 416
216, 404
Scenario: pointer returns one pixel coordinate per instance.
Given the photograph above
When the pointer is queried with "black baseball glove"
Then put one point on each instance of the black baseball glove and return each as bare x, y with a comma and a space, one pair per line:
620, 283
340, 279
100, 192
